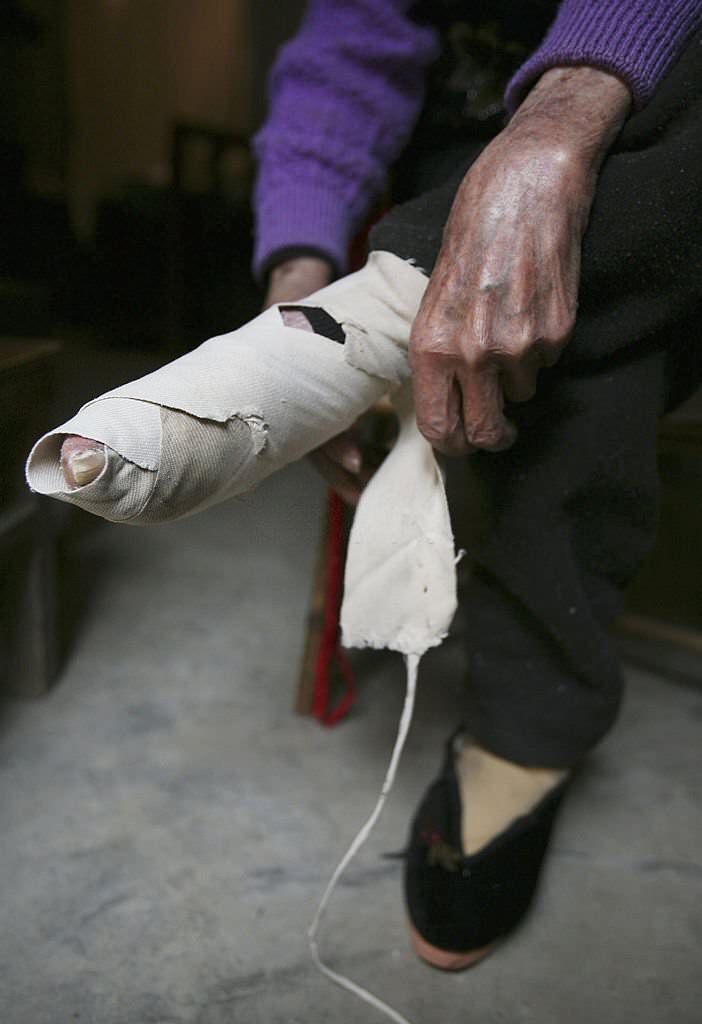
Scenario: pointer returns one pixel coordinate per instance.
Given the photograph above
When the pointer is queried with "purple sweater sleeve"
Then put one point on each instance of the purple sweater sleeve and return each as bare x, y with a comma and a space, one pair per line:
637, 40
346, 91
344, 96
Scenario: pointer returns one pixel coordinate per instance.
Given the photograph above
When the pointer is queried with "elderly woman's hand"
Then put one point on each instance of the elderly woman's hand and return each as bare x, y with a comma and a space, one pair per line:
502, 299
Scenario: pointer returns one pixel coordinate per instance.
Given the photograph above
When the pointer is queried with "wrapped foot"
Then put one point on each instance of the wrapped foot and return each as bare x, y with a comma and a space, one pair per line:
475, 853
217, 421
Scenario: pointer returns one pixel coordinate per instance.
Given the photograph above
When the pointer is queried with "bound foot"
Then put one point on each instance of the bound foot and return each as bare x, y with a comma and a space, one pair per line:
470, 876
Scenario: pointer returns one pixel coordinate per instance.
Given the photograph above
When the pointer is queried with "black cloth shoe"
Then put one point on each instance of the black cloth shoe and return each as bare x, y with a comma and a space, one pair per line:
459, 905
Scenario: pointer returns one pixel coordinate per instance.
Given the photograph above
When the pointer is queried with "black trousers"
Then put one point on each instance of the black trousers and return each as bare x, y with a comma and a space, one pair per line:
571, 509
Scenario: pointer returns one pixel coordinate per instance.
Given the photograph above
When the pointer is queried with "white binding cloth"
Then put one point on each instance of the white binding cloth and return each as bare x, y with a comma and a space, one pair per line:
215, 422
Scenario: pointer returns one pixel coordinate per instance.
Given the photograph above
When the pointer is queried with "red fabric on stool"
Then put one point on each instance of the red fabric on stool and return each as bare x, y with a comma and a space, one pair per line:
330, 651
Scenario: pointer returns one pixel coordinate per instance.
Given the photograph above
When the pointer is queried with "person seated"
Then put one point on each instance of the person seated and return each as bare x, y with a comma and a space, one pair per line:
541, 303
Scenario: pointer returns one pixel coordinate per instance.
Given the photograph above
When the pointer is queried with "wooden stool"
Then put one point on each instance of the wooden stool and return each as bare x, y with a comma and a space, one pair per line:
28, 634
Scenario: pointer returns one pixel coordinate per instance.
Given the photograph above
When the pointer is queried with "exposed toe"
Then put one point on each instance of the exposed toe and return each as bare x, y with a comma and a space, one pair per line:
82, 460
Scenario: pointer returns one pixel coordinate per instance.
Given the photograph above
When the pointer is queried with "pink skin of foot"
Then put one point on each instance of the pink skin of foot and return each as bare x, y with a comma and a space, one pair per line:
82, 460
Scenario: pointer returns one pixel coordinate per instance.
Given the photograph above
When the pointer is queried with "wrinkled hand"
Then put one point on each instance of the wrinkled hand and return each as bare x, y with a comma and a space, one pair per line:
343, 462
502, 299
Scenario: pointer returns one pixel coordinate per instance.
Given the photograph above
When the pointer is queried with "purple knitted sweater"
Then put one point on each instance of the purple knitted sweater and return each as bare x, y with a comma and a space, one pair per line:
346, 91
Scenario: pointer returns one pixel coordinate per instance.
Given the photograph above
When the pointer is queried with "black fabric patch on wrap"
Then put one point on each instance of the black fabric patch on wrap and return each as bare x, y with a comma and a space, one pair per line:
320, 321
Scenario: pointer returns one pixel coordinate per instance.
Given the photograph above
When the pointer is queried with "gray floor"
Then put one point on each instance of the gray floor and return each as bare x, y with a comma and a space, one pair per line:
168, 824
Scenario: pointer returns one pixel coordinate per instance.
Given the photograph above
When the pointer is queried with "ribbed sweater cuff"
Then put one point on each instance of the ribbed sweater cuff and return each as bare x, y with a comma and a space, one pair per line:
637, 40
297, 216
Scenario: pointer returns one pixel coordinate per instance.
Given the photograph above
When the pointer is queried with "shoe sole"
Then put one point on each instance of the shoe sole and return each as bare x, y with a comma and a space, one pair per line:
444, 959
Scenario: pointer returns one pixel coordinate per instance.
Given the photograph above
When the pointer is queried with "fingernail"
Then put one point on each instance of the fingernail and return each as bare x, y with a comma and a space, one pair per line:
86, 466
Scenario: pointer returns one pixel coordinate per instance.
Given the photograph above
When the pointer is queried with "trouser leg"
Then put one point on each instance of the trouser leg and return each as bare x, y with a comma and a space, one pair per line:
570, 513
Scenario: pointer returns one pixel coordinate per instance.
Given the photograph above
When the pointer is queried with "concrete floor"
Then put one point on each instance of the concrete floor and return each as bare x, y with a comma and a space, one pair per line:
168, 824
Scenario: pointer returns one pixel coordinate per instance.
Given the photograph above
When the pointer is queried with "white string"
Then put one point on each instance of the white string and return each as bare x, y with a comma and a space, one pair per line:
412, 663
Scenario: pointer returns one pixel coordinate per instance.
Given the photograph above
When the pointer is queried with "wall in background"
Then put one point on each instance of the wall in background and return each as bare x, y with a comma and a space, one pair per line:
133, 67
33, 115
90, 98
